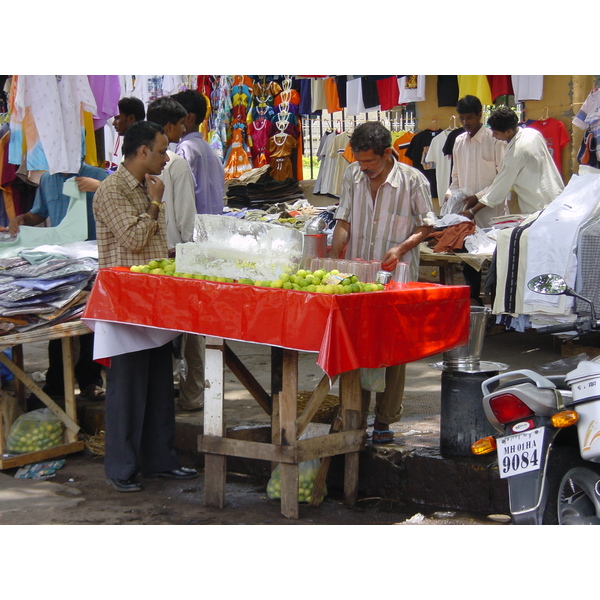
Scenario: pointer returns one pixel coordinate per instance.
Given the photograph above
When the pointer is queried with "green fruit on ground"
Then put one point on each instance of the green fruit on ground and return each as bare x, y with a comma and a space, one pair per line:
288, 286
329, 289
153, 264
311, 288
278, 283
157, 271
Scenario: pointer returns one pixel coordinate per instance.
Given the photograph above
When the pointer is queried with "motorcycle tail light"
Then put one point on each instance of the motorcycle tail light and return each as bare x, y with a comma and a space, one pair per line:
483, 446
508, 408
564, 418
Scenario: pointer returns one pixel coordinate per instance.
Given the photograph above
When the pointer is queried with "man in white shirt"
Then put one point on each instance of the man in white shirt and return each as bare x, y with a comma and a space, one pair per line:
528, 167
180, 213
476, 160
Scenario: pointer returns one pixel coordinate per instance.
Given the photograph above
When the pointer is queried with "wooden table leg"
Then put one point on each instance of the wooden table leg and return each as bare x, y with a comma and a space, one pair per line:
215, 466
69, 384
288, 410
351, 412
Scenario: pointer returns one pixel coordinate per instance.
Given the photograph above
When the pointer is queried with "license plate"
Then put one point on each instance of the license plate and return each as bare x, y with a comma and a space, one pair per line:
520, 453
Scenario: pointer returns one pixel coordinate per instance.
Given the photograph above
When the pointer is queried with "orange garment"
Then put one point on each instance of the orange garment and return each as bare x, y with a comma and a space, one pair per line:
348, 154
452, 238
291, 96
280, 150
237, 161
401, 144
331, 95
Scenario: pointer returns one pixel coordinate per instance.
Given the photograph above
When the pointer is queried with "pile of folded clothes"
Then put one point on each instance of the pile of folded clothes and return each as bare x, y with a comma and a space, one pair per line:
257, 189
49, 291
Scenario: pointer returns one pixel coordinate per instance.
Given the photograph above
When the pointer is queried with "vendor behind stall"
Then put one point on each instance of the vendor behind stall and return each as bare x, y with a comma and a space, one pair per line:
140, 409
382, 215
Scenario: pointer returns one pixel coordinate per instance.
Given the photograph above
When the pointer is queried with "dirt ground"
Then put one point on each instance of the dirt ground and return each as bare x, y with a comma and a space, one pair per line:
79, 494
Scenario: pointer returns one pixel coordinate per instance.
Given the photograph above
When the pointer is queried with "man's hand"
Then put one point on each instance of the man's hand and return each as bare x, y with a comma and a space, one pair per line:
14, 226
155, 187
30, 219
392, 257
87, 184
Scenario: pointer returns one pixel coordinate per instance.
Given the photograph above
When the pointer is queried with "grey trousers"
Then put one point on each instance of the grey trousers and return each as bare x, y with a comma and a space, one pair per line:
140, 414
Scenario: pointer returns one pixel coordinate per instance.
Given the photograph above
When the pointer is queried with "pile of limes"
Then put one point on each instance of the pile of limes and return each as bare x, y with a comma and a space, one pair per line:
319, 281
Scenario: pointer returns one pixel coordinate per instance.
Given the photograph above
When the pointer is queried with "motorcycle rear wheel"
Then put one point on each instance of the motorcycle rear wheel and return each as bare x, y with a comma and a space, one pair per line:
578, 496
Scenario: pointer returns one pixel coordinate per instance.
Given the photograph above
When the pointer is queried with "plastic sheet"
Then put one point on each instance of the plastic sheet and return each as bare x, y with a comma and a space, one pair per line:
349, 331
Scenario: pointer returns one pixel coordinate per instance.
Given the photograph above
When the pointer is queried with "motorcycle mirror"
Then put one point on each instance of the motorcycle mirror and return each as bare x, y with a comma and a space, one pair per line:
555, 285
551, 284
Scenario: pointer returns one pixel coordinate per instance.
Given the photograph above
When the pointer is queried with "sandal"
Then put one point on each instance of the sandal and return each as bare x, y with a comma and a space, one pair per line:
92, 392
384, 436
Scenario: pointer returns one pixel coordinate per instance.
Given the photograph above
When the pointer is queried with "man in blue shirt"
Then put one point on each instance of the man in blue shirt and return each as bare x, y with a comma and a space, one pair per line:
51, 203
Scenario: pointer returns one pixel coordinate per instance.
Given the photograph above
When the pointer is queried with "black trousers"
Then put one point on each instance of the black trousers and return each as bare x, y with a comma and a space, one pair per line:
86, 370
140, 414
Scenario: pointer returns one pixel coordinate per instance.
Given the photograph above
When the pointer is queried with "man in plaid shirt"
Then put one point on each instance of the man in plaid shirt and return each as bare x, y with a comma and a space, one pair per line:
130, 226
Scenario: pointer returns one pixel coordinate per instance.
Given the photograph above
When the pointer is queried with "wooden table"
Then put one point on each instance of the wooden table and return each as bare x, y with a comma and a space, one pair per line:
66, 332
446, 262
344, 331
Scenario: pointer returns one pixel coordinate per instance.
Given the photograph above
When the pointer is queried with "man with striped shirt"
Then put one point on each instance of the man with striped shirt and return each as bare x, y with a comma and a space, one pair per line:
385, 212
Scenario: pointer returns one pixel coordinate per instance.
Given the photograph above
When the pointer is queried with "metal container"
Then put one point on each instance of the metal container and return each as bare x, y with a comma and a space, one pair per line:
383, 277
470, 353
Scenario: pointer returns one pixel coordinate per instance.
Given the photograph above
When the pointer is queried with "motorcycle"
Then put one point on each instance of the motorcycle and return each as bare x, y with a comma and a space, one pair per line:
549, 431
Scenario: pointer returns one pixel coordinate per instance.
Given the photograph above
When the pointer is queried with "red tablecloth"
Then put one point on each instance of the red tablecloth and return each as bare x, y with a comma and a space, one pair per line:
349, 331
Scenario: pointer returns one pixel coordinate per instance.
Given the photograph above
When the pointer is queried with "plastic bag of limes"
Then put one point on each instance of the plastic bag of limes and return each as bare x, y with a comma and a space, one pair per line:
36, 430
306, 478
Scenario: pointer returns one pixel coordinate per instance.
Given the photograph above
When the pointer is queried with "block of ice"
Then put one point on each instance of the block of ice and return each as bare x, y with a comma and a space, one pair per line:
230, 247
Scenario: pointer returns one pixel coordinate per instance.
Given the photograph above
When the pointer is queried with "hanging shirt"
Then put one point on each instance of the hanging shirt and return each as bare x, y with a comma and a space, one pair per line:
529, 170
528, 87
475, 85
388, 92
476, 161
417, 152
436, 155
556, 136
354, 97
447, 90
411, 89
401, 205
55, 103
500, 85
107, 92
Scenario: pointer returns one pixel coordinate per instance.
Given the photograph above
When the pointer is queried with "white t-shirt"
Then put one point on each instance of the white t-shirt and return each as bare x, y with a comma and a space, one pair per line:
527, 87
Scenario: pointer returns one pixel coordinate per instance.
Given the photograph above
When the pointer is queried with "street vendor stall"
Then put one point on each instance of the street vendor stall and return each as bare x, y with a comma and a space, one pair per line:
130, 311
65, 332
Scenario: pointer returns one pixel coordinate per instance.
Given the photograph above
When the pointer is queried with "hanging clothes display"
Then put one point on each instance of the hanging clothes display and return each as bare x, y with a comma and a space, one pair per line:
280, 151
411, 88
447, 90
442, 164
527, 87
237, 161
475, 85
326, 163
400, 143
417, 152
556, 136
47, 119
500, 85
